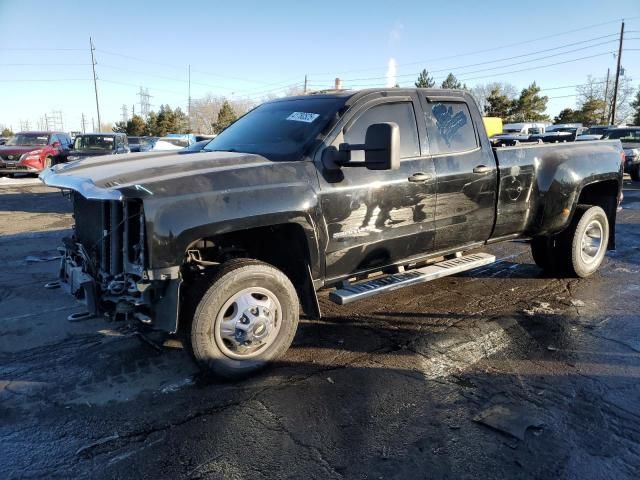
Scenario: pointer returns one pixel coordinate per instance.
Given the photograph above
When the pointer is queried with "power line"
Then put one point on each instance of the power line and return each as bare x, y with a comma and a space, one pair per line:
502, 47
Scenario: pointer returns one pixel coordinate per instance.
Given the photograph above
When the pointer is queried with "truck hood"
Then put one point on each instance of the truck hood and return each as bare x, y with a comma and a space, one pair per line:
113, 177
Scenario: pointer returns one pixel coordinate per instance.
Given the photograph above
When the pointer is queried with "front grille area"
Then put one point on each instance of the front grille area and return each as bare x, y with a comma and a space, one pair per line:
111, 232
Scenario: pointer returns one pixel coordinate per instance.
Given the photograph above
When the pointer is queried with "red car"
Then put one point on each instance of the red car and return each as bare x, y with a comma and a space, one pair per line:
32, 152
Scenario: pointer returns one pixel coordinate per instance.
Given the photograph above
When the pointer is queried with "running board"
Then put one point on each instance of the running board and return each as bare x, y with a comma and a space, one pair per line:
358, 291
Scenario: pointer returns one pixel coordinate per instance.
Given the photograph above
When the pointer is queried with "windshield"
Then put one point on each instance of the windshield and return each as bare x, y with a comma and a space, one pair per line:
94, 142
624, 135
280, 130
29, 139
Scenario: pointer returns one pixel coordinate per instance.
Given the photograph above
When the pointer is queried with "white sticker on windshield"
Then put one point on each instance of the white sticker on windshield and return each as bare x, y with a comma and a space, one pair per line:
303, 117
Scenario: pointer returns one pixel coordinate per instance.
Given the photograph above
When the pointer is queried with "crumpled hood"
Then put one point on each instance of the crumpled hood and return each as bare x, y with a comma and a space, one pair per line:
107, 176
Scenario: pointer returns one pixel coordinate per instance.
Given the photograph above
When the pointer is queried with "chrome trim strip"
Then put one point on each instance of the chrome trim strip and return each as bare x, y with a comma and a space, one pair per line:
83, 186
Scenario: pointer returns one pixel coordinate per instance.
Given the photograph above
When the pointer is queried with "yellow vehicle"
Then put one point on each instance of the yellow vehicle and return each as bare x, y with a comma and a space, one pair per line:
493, 125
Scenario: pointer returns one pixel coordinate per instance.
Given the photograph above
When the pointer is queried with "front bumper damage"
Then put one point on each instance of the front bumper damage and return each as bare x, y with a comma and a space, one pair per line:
105, 262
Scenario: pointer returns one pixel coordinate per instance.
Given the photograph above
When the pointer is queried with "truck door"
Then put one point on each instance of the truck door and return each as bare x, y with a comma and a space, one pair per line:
465, 171
376, 218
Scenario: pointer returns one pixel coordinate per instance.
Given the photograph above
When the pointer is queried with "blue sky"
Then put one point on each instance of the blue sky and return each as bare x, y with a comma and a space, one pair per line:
251, 48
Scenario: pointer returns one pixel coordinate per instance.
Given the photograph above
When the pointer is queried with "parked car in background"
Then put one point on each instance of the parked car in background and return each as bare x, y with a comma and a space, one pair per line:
516, 133
96, 144
630, 139
189, 138
32, 152
140, 144
559, 133
196, 147
3, 140
596, 132
170, 143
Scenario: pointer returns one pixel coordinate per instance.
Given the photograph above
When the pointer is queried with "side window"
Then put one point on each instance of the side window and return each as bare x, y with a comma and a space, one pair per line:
449, 127
53, 139
401, 113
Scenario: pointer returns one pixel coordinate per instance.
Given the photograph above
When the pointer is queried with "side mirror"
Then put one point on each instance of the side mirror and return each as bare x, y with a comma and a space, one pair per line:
382, 146
381, 150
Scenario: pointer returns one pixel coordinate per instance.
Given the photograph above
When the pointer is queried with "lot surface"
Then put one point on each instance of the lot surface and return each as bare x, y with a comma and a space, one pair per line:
497, 373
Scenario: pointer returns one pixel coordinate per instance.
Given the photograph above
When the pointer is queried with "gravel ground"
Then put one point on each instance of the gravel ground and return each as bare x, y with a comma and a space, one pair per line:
496, 373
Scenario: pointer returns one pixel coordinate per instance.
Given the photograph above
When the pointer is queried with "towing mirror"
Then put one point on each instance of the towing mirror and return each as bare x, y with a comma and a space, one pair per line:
381, 150
382, 146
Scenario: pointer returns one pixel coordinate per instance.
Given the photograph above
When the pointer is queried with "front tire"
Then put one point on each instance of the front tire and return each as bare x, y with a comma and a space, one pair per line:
245, 320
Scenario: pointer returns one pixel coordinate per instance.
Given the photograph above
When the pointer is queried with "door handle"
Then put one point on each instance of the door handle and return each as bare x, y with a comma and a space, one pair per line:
420, 177
482, 169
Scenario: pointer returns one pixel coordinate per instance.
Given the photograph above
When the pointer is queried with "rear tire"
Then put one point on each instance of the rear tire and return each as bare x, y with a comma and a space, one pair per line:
586, 241
245, 320
635, 173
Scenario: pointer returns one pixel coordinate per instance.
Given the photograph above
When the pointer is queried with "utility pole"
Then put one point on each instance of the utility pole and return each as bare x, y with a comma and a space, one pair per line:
46, 122
84, 123
125, 113
95, 81
189, 99
605, 112
93, 125
305, 83
615, 88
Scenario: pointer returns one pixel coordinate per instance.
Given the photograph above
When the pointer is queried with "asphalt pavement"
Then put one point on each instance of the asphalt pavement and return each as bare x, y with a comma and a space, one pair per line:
499, 373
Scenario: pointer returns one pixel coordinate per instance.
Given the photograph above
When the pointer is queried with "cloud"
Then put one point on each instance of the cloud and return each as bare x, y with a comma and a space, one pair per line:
392, 71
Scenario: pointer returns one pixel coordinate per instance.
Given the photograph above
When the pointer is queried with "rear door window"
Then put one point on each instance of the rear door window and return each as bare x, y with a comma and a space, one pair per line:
401, 113
450, 128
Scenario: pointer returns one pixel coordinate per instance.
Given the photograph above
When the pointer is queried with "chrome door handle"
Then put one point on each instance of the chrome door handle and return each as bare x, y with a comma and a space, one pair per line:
420, 177
482, 169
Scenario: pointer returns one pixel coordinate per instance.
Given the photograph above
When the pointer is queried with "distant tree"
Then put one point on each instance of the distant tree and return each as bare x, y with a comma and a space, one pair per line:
120, 127
452, 82
6, 132
529, 106
597, 88
566, 115
136, 126
151, 125
481, 92
166, 121
226, 116
635, 105
498, 104
180, 121
591, 112
424, 80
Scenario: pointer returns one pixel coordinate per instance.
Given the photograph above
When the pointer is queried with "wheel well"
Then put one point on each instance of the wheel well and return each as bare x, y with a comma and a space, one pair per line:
604, 195
284, 246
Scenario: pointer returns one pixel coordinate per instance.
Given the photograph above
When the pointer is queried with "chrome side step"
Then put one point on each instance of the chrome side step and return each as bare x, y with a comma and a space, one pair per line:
388, 283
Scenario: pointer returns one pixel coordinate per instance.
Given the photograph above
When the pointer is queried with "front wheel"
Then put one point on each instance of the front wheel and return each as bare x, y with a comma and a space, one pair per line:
245, 320
587, 240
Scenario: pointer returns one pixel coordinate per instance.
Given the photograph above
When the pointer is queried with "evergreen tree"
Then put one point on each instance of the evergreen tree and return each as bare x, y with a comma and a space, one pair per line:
6, 132
120, 127
567, 115
636, 109
166, 121
498, 104
591, 112
151, 126
226, 116
530, 106
424, 80
452, 82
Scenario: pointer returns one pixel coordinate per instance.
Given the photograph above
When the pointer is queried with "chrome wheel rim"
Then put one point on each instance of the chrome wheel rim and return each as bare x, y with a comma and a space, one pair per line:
591, 243
248, 323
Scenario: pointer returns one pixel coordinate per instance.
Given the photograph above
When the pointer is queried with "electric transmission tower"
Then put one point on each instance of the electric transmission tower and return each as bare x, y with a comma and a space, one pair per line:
125, 113
145, 102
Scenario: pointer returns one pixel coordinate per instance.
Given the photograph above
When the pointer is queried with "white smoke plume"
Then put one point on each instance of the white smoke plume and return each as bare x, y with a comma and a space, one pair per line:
392, 71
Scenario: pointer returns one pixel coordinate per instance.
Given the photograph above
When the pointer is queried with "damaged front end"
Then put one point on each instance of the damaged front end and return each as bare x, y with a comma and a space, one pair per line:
104, 263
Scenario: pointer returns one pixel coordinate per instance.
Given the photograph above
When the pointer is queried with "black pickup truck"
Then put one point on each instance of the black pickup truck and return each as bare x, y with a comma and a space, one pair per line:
362, 191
